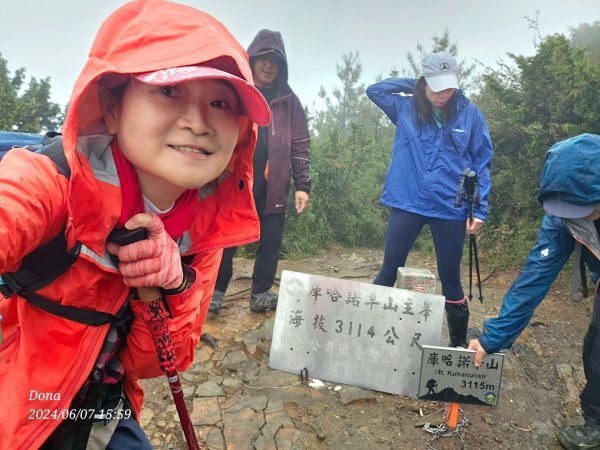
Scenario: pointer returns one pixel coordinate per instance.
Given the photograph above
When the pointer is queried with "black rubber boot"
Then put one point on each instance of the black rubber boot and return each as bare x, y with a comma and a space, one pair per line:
457, 315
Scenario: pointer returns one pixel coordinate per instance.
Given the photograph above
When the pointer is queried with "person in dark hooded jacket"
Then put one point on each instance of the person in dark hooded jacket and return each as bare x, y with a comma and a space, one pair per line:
282, 152
570, 193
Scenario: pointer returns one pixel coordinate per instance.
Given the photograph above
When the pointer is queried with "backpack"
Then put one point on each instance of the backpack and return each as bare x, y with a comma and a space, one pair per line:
30, 141
49, 261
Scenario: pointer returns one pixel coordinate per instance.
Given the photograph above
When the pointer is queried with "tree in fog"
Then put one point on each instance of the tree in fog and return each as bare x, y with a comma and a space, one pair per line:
587, 37
26, 108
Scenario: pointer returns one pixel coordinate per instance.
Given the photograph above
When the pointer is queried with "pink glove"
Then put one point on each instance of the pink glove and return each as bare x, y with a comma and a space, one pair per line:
152, 262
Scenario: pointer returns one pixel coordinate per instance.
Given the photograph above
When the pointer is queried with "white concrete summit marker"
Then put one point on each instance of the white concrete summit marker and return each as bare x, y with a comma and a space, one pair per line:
354, 333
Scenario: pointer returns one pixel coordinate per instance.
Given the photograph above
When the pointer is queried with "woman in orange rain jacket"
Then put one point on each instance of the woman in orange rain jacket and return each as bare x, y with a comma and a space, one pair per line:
159, 134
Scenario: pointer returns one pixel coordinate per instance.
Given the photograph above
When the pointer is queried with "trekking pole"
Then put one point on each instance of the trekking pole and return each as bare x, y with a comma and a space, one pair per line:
470, 268
477, 267
470, 184
156, 317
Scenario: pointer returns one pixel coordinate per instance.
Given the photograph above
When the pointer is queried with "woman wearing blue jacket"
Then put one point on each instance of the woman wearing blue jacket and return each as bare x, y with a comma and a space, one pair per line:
439, 134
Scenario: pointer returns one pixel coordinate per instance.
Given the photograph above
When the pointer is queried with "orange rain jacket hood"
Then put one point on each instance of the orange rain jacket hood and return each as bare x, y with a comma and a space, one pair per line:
52, 356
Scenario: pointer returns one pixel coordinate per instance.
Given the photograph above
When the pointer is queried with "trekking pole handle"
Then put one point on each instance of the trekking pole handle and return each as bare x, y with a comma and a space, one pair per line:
156, 317
154, 311
470, 182
470, 187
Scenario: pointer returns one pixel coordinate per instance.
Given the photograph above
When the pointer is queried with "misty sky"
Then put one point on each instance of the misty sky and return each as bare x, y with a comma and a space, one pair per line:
52, 38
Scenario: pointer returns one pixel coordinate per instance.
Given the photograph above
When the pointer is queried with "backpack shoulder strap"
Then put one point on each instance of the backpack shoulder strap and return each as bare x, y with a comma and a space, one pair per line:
41, 267
53, 149
49, 261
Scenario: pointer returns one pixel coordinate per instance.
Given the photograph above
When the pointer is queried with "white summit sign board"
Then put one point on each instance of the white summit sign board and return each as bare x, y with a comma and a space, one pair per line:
354, 333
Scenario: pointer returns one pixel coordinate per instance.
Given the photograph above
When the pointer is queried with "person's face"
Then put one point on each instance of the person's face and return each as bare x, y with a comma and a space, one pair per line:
438, 99
177, 137
265, 70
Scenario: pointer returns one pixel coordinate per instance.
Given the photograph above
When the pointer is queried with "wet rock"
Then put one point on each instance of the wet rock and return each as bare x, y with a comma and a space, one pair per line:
212, 437
251, 343
265, 443
209, 389
203, 354
146, 418
289, 439
565, 373
190, 377
487, 419
275, 422
537, 348
188, 391
317, 409
256, 403
270, 377
267, 328
265, 346
293, 410
157, 440
351, 395
231, 385
579, 375
233, 359
196, 369
329, 425
242, 428
205, 411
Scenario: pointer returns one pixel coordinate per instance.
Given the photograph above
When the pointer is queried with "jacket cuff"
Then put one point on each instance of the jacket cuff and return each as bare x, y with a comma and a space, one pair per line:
480, 215
180, 303
304, 187
483, 342
188, 279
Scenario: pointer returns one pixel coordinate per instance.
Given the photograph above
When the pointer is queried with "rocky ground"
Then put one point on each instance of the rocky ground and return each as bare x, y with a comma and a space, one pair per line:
238, 402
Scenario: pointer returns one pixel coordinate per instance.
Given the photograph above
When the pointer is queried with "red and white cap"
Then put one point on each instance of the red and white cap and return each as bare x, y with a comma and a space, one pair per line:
255, 105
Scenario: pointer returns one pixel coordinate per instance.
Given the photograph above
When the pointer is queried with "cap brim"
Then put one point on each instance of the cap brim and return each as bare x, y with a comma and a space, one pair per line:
266, 52
254, 104
566, 210
442, 82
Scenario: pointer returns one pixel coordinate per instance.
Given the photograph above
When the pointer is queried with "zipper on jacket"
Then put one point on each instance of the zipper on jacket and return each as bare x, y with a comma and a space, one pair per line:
83, 390
35, 436
276, 100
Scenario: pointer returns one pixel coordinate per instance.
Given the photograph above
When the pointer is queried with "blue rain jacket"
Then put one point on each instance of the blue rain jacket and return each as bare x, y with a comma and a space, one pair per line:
572, 171
427, 161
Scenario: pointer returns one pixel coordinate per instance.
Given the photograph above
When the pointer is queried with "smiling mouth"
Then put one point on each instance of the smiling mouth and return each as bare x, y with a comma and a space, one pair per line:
188, 149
